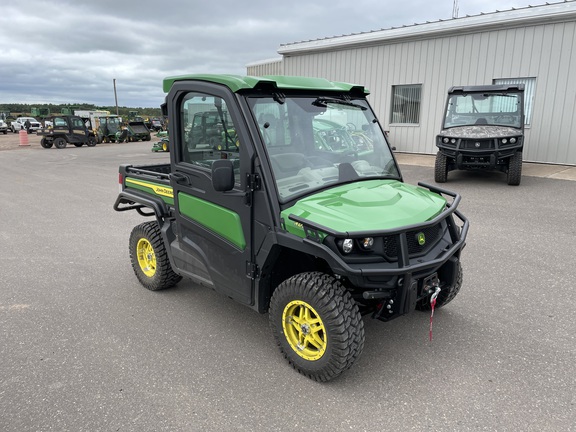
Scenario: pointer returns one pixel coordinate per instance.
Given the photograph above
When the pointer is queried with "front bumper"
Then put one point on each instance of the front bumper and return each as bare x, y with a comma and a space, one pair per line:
479, 153
404, 278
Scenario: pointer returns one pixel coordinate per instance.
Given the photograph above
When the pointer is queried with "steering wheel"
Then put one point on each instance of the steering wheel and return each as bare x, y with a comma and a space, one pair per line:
351, 127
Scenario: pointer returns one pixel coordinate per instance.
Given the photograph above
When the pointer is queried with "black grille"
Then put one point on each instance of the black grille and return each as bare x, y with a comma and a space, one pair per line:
477, 144
431, 235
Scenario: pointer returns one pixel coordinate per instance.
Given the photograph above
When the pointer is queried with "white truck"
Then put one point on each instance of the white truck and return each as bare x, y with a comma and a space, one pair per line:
20, 124
3, 124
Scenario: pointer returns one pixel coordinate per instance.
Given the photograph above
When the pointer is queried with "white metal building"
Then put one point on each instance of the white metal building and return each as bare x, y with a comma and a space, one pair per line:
409, 70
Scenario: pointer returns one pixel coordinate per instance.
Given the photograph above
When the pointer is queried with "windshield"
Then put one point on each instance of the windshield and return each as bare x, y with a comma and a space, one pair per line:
496, 109
317, 142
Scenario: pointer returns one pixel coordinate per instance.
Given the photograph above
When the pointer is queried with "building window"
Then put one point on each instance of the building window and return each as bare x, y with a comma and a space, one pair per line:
529, 90
405, 104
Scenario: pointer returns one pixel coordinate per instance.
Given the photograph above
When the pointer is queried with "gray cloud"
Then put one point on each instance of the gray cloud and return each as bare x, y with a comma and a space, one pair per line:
67, 51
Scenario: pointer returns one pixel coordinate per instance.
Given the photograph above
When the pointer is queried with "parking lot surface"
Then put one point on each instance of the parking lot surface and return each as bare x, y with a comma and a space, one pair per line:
84, 347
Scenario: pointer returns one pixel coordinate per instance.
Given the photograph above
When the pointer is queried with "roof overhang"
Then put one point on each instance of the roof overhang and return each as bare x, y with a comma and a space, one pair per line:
500, 19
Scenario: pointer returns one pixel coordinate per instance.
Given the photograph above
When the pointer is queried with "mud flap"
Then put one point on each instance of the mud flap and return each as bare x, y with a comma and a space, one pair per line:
408, 302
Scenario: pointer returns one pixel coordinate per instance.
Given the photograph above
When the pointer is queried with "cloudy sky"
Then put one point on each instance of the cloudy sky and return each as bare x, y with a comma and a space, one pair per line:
69, 51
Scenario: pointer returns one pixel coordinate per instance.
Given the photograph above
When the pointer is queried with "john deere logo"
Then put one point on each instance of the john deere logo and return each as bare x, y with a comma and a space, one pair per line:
421, 238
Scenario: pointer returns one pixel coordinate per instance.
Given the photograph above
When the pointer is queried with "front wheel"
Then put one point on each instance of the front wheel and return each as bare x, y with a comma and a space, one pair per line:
515, 169
91, 141
441, 168
149, 257
317, 325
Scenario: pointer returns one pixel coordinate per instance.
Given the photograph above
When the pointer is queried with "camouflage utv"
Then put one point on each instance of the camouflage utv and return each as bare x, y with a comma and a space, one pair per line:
482, 129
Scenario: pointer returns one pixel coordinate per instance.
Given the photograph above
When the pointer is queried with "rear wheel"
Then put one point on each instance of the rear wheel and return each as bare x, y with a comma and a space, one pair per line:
441, 168
515, 169
317, 325
60, 143
91, 141
149, 257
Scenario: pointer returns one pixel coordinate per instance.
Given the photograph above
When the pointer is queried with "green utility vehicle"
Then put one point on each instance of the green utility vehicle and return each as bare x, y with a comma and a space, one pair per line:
483, 129
137, 131
292, 205
110, 129
67, 129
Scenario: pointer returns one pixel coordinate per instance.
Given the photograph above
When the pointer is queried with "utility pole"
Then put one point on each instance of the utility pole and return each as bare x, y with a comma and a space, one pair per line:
455, 9
115, 95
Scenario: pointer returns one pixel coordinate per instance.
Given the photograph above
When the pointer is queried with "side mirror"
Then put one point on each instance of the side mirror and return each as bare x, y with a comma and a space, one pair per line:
223, 175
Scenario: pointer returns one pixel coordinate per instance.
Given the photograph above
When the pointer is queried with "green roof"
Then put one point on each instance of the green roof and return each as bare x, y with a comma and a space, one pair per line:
237, 83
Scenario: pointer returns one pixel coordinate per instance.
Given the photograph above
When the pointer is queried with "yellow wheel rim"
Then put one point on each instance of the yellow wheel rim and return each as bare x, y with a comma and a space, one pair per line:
164, 146
304, 330
146, 257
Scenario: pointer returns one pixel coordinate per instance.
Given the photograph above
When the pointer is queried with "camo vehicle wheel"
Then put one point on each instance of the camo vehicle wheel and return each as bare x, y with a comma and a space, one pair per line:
514, 175
91, 141
149, 257
446, 294
441, 168
45, 143
60, 143
317, 325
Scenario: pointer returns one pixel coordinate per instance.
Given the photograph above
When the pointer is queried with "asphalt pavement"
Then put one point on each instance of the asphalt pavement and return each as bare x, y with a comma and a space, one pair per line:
84, 347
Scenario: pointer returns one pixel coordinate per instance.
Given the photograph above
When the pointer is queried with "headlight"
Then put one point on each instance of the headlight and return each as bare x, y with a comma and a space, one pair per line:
367, 243
453, 140
347, 245
512, 140
504, 141
445, 140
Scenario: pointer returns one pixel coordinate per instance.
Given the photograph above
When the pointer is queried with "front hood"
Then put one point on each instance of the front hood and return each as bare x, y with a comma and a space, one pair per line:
483, 131
371, 205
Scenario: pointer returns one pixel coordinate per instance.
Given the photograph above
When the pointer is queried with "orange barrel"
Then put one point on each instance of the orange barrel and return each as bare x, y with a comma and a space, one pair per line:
24, 138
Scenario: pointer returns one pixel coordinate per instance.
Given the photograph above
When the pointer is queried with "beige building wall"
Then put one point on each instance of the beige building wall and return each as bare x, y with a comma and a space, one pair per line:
531, 43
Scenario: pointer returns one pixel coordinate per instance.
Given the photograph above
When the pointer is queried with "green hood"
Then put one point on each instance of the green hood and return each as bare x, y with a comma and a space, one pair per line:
371, 205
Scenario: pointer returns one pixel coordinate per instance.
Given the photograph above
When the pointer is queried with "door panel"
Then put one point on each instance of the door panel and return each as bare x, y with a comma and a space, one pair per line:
214, 227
